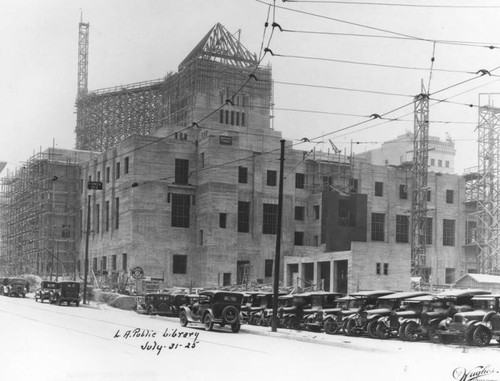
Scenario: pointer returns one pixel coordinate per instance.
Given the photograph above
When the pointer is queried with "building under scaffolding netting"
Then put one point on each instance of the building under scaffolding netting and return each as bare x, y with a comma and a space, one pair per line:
39, 208
209, 81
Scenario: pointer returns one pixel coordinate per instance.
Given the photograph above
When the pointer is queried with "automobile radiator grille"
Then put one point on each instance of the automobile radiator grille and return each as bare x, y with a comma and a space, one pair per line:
394, 321
458, 327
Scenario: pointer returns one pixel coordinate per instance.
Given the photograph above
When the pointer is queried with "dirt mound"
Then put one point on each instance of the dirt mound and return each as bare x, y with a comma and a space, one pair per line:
123, 302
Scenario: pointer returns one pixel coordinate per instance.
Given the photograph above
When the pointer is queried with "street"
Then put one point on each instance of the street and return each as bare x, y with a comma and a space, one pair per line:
49, 342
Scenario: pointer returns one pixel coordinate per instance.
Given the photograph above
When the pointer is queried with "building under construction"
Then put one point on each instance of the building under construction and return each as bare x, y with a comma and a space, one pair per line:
38, 204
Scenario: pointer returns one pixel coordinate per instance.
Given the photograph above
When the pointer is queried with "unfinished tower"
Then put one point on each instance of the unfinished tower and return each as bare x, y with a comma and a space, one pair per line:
105, 117
488, 185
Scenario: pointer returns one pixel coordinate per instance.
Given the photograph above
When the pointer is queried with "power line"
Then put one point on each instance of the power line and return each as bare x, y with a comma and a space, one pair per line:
446, 6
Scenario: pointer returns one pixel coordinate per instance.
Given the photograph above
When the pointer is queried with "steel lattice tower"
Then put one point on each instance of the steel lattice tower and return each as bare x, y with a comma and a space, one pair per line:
419, 183
488, 187
83, 58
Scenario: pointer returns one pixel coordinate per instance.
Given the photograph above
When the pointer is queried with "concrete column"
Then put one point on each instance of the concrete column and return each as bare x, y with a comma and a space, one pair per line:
301, 272
285, 273
315, 272
332, 275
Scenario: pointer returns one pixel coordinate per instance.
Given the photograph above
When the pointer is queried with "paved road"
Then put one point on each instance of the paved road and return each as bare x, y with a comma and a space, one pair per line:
48, 342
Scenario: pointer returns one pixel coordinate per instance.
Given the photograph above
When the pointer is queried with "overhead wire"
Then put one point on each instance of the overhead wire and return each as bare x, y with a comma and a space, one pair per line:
445, 6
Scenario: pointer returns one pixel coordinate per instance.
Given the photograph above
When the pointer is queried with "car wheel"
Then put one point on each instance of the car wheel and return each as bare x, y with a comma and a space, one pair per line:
208, 323
230, 314
58, 301
412, 330
293, 322
481, 336
401, 331
253, 320
150, 311
77, 304
331, 327
371, 329
183, 318
350, 328
235, 327
382, 331
469, 340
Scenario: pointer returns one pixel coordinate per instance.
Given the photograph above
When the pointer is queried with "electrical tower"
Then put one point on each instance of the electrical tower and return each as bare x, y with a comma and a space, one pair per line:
419, 183
83, 59
488, 186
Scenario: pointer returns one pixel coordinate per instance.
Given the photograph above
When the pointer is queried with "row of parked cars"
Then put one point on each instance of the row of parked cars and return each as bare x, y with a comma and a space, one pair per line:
14, 287
470, 316
59, 292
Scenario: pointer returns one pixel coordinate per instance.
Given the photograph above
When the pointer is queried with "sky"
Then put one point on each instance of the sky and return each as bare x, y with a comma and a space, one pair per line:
330, 77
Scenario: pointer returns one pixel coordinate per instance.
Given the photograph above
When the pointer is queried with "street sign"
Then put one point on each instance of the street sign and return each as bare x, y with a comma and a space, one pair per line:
137, 272
97, 185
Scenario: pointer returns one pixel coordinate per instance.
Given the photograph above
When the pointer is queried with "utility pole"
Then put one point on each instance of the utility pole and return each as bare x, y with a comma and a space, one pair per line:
274, 320
86, 268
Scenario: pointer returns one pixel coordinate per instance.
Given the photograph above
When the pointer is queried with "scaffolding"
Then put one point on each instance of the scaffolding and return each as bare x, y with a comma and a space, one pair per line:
39, 206
419, 184
216, 69
488, 186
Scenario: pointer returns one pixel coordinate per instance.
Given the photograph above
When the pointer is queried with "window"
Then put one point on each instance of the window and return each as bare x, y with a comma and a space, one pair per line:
117, 173
117, 213
98, 175
222, 220
94, 264
378, 268
66, 231
113, 262
386, 269
402, 228
108, 174
181, 171
243, 216
201, 237
378, 226
315, 240
202, 159
299, 180
433, 162
226, 279
124, 262
448, 232
221, 116
379, 189
449, 196
232, 118
106, 217
428, 231
470, 232
353, 184
447, 165
316, 211
180, 210
97, 215
428, 195
440, 163
449, 275
179, 265
104, 263
125, 165
299, 239
270, 218
271, 178
268, 268
403, 191
242, 175
243, 119
299, 213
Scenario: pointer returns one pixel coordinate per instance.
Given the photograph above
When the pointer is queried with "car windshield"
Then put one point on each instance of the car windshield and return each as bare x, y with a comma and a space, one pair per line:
317, 301
285, 302
18, 280
484, 304
49, 285
355, 303
384, 303
414, 306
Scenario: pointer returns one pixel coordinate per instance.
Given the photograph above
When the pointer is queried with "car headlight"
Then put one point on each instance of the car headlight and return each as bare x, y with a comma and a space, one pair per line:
464, 320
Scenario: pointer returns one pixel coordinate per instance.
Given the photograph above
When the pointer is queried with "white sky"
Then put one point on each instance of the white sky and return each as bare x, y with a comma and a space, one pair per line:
138, 40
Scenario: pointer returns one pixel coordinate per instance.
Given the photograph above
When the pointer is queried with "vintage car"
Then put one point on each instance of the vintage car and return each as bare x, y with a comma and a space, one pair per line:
366, 320
16, 287
262, 301
214, 307
66, 291
463, 325
43, 293
445, 305
393, 324
305, 306
284, 302
489, 327
249, 305
162, 303
334, 320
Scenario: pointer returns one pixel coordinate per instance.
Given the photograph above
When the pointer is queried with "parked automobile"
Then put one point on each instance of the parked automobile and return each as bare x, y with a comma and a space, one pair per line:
256, 312
366, 320
445, 305
394, 324
249, 305
489, 327
321, 304
284, 302
66, 291
4, 289
161, 304
334, 320
463, 325
43, 293
16, 287
214, 307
